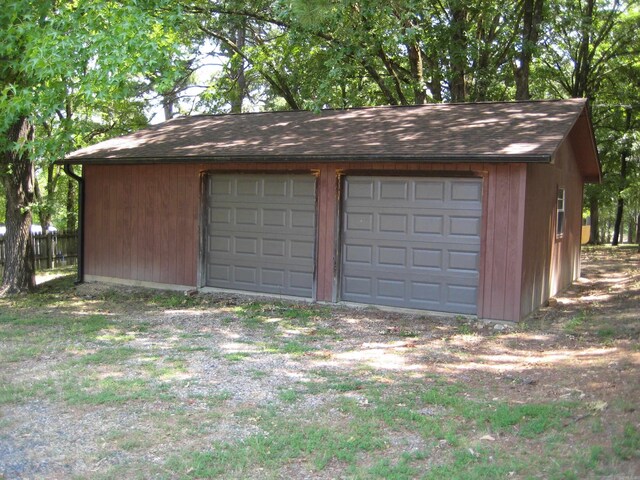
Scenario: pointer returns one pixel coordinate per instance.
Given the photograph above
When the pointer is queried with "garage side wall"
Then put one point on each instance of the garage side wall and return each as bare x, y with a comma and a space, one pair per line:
141, 223
551, 262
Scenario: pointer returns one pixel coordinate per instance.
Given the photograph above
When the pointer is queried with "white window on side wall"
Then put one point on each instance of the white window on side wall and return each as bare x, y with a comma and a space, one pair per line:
560, 210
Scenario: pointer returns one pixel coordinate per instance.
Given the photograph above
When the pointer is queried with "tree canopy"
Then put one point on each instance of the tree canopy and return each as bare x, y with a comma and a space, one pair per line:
74, 73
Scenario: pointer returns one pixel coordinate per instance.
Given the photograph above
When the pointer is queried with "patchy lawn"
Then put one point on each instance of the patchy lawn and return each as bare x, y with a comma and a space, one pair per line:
100, 382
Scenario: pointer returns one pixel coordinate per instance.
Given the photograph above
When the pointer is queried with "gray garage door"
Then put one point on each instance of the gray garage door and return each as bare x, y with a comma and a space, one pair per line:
261, 233
412, 242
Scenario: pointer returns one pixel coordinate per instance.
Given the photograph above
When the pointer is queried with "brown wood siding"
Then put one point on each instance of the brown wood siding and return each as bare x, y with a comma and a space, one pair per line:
550, 264
502, 242
327, 197
142, 223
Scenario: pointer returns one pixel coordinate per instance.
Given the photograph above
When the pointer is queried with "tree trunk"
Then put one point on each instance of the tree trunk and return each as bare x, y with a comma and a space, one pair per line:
594, 236
435, 81
638, 232
238, 92
618, 223
582, 67
17, 177
458, 52
417, 74
623, 178
168, 102
531, 19
71, 202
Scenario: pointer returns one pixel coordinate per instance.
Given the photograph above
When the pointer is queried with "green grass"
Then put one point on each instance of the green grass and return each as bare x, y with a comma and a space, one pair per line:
394, 470
365, 423
479, 465
10, 393
606, 333
175, 300
283, 442
289, 396
236, 356
294, 347
627, 446
113, 391
287, 315
24, 337
327, 380
106, 356
577, 322
258, 374
362, 432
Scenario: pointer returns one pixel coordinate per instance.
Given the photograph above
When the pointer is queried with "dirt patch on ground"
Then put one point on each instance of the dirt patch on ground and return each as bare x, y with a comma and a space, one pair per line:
152, 376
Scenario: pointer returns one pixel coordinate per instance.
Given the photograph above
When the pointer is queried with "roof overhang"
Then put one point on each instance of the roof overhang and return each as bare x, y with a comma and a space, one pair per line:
489, 132
584, 146
308, 159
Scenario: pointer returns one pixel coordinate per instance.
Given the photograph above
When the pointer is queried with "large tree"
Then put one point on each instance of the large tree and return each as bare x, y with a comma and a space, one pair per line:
58, 59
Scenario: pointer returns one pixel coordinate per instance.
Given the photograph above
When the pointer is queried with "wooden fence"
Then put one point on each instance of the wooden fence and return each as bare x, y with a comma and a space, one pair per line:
51, 250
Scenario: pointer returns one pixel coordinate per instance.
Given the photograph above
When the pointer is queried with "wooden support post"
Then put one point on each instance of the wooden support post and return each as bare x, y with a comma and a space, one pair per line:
49, 244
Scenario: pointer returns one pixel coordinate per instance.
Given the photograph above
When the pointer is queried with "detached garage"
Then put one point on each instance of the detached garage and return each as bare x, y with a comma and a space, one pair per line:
460, 208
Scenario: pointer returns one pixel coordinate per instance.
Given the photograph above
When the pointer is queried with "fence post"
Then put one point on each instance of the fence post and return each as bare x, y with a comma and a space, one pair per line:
49, 243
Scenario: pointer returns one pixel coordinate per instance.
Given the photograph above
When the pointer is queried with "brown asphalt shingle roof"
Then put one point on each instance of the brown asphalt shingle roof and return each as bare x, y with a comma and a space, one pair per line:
506, 131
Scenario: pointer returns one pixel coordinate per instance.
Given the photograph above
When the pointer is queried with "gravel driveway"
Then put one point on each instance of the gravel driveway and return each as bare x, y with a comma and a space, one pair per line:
108, 382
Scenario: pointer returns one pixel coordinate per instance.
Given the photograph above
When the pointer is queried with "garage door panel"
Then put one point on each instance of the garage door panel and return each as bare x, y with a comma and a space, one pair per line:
274, 217
462, 295
219, 273
302, 219
391, 289
395, 223
305, 188
414, 254
302, 249
275, 187
355, 285
429, 190
426, 292
359, 190
246, 187
392, 256
412, 242
221, 186
357, 221
220, 216
465, 226
434, 276
220, 244
428, 224
394, 190
274, 247
466, 192
245, 246
300, 281
272, 277
427, 258
246, 275
247, 216
464, 262
261, 233
358, 254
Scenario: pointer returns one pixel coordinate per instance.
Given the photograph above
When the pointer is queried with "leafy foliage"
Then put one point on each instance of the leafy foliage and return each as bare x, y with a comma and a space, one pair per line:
84, 71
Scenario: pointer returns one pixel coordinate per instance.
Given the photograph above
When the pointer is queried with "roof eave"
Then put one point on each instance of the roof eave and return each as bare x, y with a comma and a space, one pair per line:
513, 158
588, 157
